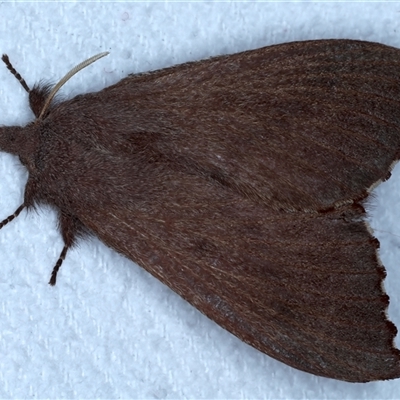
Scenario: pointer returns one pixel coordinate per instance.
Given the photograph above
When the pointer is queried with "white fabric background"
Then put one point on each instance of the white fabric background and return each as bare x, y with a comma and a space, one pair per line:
108, 329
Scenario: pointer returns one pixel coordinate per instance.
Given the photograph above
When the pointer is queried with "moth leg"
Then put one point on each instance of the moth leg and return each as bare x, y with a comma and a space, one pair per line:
9, 66
12, 216
60, 260
39, 93
69, 226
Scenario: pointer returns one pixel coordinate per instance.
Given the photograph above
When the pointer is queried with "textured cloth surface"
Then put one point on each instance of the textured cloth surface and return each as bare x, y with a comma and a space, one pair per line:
108, 329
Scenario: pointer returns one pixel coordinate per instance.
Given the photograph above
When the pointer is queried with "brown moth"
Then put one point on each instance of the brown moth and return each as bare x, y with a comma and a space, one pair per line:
239, 182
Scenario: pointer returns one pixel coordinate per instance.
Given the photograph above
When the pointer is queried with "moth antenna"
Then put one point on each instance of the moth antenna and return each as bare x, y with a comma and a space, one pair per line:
56, 268
10, 67
67, 77
12, 216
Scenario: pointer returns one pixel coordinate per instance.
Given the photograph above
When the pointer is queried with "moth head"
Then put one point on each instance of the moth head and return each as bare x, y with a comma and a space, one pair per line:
23, 141
20, 141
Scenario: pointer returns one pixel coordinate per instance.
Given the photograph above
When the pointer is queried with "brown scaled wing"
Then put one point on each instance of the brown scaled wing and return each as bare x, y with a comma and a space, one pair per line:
245, 175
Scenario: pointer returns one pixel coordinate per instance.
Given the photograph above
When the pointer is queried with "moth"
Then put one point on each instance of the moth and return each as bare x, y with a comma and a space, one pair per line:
239, 182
